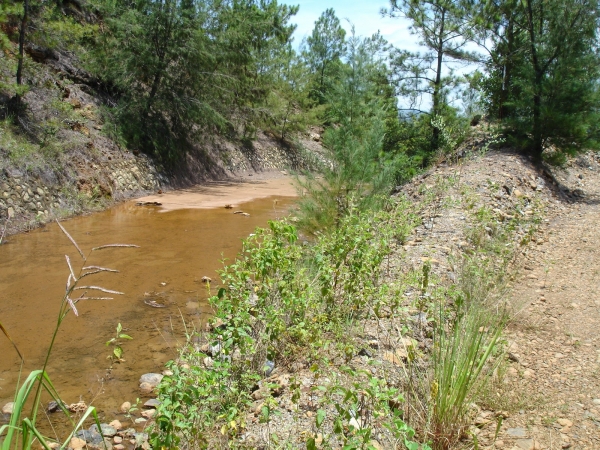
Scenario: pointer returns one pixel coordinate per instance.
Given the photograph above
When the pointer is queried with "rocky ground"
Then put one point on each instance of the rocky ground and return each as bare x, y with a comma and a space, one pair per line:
546, 392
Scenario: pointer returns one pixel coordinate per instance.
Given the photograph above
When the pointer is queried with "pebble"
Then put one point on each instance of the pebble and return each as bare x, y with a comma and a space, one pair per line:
8, 408
116, 424
149, 413
152, 403
117, 439
76, 443
499, 444
119, 447
153, 379
525, 444
565, 422
106, 429
146, 388
528, 373
596, 401
140, 420
516, 432
125, 407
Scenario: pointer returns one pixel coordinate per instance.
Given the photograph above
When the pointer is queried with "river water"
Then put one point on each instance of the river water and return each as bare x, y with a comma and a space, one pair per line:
179, 243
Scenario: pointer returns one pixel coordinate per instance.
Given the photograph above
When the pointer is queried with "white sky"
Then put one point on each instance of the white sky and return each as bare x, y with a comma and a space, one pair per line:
367, 20
364, 14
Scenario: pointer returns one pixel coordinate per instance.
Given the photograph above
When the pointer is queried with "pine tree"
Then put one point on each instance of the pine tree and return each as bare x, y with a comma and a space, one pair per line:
544, 73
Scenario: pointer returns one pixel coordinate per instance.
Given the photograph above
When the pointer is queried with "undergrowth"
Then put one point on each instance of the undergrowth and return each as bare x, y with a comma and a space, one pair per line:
284, 300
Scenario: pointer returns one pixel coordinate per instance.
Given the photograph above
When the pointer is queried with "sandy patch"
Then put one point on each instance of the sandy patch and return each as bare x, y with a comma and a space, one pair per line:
217, 194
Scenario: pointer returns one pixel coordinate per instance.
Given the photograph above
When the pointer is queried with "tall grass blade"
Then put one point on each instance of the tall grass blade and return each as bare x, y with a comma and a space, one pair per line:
71, 268
19, 402
28, 425
5, 331
70, 238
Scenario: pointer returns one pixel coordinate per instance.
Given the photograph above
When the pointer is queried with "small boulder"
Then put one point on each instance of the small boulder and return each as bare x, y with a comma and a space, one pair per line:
152, 403
106, 429
153, 379
146, 388
125, 407
565, 422
8, 408
149, 413
53, 406
89, 436
517, 432
77, 443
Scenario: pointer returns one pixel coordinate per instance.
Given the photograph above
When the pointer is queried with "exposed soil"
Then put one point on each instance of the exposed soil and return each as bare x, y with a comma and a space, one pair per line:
228, 194
555, 340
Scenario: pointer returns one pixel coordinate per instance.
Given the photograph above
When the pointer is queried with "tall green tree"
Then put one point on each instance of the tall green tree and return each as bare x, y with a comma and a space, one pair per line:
325, 48
544, 72
444, 30
356, 171
184, 67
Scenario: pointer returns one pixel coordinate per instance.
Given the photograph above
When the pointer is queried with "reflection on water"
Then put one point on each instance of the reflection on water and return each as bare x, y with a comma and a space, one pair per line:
177, 248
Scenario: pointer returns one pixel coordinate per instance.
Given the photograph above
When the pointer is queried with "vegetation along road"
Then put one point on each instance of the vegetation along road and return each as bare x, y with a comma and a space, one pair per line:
434, 285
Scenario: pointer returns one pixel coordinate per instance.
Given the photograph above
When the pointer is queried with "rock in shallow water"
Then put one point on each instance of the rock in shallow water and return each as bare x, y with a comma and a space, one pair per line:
152, 379
89, 436
8, 408
152, 403
107, 430
125, 407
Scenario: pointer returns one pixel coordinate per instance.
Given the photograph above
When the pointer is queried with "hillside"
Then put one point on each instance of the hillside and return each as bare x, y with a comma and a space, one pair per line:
62, 159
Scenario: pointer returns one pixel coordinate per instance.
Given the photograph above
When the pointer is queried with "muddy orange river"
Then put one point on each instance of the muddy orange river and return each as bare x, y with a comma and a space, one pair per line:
179, 242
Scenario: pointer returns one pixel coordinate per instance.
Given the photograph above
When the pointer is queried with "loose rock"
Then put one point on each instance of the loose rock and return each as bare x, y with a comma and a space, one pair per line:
125, 407
8, 408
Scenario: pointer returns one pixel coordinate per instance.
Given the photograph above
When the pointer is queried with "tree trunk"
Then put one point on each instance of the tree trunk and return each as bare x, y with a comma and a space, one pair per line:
505, 93
537, 144
438, 81
22, 42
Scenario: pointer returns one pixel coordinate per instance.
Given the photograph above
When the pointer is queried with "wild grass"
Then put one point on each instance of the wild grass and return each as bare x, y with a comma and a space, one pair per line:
23, 428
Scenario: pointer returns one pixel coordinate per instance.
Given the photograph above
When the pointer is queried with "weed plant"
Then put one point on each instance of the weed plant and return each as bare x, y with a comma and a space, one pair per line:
280, 299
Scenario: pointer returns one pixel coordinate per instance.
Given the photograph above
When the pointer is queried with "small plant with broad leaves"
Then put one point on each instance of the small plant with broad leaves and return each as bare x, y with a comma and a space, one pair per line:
115, 342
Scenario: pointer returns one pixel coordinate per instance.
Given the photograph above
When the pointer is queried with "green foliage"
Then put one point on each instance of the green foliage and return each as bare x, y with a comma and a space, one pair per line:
115, 342
356, 171
543, 72
359, 408
280, 299
325, 48
182, 68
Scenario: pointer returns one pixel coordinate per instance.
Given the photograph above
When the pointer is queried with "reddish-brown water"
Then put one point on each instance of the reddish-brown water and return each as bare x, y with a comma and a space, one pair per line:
177, 248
